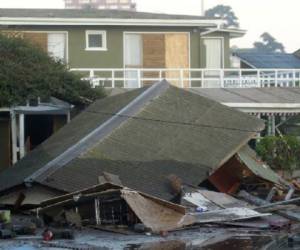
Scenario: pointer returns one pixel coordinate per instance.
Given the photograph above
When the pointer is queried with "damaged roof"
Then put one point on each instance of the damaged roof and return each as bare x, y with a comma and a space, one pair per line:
142, 136
258, 167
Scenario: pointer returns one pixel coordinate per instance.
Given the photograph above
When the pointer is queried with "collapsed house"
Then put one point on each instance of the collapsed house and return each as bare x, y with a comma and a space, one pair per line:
108, 204
143, 136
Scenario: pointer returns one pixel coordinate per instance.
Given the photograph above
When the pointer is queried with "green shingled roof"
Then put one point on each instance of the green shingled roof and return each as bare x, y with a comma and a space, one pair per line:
177, 132
259, 168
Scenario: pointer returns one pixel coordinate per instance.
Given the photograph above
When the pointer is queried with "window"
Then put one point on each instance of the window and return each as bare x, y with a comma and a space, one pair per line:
57, 45
96, 40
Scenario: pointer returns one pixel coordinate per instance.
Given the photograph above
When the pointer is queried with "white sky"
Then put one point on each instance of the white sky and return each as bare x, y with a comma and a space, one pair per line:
278, 17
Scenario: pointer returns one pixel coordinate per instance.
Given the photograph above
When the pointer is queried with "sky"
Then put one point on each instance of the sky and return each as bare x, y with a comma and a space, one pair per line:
278, 17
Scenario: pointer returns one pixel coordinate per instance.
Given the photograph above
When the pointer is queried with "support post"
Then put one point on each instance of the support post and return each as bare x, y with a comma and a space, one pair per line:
181, 78
22, 135
13, 123
139, 78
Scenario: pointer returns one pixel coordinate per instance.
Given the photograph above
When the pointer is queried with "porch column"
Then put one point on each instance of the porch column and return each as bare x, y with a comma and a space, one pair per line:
258, 134
13, 125
271, 125
22, 135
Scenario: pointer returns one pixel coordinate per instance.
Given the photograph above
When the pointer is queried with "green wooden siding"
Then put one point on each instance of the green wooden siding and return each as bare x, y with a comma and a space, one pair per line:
113, 57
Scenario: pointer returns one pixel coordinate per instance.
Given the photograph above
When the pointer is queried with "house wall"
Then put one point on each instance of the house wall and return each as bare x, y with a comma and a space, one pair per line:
78, 57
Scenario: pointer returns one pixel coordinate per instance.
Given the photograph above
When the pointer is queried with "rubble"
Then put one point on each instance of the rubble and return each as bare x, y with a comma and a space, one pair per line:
149, 189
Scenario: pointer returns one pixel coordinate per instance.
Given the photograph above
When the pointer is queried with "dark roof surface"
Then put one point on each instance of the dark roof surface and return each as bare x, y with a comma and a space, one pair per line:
250, 95
91, 13
177, 132
270, 60
64, 138
297, 53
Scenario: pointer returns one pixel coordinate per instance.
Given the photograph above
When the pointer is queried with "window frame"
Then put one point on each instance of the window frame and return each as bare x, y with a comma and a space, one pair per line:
96, 32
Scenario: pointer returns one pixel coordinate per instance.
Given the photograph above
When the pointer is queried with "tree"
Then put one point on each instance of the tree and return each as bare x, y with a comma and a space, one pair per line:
268, 44
224, 12
280, 153
27, 72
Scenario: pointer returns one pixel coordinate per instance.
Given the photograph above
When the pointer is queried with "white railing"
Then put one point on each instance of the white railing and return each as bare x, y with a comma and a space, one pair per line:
191, 78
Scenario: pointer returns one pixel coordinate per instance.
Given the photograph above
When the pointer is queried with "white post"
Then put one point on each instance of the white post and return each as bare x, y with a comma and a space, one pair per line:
259, 133
14, 137
271, 125
92, 75
258, 79
276, 78
202, 7
22, 135
113, 79
294, 78
222, 78
240, 77
160, 75
139, 78
181, 78
202, 78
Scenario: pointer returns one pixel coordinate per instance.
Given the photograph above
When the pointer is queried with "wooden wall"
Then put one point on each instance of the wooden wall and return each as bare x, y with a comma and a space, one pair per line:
177, 55
154, 51
169, 50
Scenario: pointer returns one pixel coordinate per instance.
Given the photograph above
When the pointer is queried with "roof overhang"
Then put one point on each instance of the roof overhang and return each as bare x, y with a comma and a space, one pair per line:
110, 22
234, 33
265, 108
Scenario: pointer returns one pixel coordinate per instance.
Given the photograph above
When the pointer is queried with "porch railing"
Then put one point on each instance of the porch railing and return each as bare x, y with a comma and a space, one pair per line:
191, 78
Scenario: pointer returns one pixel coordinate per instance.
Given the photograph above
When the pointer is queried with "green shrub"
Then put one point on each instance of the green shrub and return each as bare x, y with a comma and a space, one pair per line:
27, 72
280, 153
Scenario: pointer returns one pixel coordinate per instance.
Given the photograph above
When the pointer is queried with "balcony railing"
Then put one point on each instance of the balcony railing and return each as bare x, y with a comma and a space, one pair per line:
191, 78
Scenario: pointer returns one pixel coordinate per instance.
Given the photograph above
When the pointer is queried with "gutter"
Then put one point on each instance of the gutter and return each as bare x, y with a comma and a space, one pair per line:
110, 22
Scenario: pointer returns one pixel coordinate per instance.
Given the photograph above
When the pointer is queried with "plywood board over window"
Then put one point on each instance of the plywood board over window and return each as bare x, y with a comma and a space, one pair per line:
38, 39
153, 54
158, 51
177, 56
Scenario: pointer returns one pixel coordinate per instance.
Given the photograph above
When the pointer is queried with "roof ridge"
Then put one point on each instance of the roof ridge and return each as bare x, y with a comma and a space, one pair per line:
102, 131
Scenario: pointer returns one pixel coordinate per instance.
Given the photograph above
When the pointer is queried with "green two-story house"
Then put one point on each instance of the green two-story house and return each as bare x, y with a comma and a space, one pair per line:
116, 45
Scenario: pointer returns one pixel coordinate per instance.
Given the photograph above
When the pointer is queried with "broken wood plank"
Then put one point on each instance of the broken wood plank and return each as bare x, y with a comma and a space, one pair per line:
228, 214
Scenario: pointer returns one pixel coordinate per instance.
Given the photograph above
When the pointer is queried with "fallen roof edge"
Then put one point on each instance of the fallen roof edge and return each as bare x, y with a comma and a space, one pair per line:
102, 131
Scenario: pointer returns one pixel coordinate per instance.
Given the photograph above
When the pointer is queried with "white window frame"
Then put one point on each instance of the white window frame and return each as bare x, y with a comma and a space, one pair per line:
96, 32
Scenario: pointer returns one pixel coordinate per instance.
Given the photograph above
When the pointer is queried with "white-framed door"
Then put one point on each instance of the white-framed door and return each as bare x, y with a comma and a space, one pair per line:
133, 58
214, 59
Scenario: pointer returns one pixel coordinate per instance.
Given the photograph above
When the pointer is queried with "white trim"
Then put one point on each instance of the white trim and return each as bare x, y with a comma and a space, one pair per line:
96, 32
264, 108
262, 105
109, 21
223, 48
234, 33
